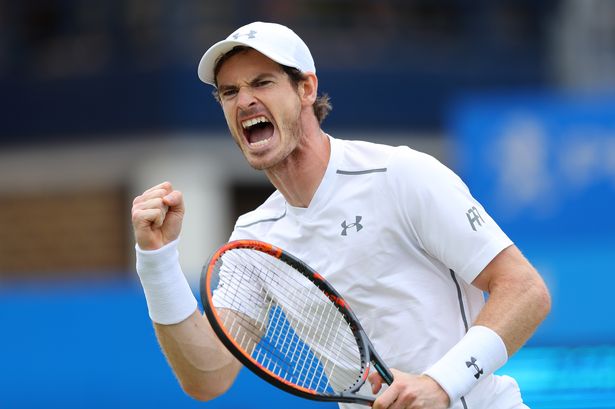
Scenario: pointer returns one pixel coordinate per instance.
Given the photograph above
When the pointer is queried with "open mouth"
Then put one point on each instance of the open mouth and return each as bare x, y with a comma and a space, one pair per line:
257, 131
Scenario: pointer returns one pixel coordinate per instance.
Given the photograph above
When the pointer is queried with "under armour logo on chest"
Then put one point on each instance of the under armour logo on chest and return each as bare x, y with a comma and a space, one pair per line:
357, 225
251, 34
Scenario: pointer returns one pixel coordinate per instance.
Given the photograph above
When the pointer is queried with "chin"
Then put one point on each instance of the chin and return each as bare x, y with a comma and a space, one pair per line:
259, 163
267, 160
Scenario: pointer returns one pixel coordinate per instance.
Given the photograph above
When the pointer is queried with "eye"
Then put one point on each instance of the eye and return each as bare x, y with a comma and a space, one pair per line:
262, 83
228, 93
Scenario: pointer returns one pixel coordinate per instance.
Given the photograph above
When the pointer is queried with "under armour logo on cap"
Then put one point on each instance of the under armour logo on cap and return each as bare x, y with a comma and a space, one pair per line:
251, 34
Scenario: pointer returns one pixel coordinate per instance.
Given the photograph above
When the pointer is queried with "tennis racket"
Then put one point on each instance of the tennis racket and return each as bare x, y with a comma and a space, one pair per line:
287, 324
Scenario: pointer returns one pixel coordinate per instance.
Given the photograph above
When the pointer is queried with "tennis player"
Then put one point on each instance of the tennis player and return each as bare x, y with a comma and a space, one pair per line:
397, 234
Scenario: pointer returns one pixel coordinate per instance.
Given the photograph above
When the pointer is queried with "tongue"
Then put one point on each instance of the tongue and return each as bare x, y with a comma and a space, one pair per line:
260, 133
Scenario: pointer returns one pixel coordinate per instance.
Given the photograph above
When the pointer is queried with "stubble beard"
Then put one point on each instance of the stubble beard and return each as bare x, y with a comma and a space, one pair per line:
288, 146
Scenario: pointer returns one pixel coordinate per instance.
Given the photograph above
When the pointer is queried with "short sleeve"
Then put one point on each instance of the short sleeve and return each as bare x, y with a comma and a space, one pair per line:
438, 209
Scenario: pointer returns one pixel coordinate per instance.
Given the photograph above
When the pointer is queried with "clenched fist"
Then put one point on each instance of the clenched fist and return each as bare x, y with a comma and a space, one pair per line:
157, 216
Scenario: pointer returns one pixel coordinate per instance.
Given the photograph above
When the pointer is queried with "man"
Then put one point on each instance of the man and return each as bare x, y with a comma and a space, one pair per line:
414, 251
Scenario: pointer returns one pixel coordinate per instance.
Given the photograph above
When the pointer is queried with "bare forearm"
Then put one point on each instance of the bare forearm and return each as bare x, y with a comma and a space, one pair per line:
202, 364
518, 301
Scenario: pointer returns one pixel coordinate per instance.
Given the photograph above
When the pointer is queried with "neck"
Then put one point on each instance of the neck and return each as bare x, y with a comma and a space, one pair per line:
298, 177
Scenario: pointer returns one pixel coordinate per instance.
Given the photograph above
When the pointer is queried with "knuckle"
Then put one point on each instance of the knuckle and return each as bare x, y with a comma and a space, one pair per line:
136, 217
151, 204
137, 207
138, 213
408, 395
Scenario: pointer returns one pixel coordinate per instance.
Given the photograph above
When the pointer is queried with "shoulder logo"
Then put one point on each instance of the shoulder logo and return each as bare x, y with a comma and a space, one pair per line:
474, 218
357, 225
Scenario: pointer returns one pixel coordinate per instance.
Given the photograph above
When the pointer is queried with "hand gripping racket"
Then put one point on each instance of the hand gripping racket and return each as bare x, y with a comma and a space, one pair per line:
285, 322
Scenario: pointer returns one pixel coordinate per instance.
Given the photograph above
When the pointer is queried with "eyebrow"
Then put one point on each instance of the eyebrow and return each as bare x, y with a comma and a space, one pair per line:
253, 81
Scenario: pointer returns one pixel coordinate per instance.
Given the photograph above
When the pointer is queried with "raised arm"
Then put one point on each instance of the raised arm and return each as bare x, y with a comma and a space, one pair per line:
203, 366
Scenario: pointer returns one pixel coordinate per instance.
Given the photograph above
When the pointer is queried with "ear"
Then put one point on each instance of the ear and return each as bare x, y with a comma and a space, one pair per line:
308, 89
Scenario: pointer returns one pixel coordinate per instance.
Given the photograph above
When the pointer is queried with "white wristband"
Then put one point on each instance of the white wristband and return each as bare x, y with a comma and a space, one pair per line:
167, 292
477, 355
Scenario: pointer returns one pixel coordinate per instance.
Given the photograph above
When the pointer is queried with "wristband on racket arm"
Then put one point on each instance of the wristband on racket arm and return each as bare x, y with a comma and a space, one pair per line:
477, 355
169, 297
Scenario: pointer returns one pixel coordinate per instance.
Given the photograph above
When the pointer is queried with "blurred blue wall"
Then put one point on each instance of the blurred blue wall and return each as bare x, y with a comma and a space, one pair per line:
73, 346
543, 165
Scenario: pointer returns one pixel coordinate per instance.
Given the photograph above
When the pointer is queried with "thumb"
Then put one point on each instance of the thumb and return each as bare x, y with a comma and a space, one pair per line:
175, 200
175, 203
175, 214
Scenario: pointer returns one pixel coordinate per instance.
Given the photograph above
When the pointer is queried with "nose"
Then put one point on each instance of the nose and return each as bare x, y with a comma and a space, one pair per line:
245, 97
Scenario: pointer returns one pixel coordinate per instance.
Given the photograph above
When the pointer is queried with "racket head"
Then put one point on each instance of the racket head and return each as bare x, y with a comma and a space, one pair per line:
258, 299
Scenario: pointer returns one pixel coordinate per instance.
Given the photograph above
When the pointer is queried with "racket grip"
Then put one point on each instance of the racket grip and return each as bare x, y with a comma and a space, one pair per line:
386, 374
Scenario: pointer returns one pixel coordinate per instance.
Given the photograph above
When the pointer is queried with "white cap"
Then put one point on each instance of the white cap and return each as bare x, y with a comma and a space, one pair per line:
275, 41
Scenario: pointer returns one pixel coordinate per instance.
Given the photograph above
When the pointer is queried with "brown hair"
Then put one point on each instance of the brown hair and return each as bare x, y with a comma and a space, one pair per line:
322, 106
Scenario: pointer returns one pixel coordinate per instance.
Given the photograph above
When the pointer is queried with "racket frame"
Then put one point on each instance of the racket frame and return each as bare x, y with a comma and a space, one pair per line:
366, 350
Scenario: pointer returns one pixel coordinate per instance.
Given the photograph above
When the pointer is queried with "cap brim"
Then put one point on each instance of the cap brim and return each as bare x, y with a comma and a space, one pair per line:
211, 56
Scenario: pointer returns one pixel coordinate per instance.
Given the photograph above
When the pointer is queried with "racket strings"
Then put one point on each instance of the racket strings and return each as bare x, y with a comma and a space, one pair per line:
310, 293
274, 328
249, 299
286, 323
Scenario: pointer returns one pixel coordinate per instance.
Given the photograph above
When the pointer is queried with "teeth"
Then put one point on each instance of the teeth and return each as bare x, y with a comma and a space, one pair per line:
260, 143
251, 122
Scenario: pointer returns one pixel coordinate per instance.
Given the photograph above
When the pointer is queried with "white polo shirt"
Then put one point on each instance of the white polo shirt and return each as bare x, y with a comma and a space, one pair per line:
401, 238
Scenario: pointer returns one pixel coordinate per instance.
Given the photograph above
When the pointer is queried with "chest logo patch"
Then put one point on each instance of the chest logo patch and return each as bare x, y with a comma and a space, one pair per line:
357, 225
